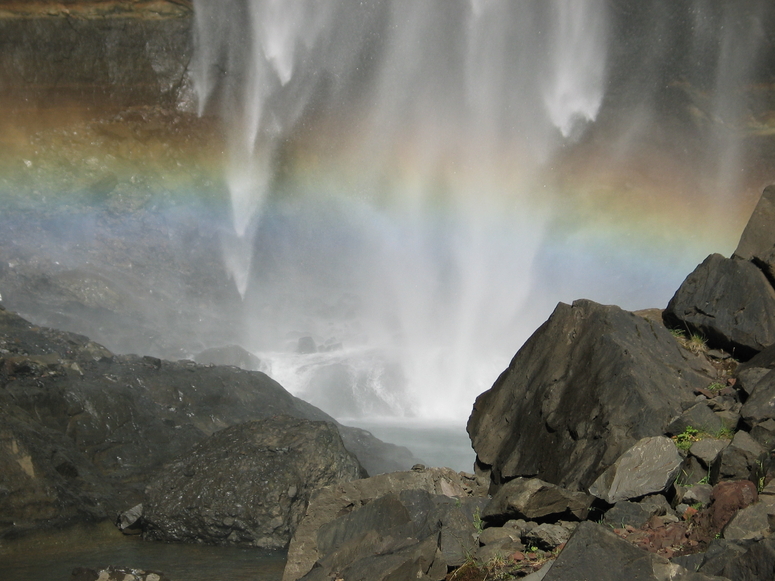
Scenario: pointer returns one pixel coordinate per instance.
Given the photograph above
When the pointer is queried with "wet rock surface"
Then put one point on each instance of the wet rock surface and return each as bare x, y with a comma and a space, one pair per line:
85, 431
248, 484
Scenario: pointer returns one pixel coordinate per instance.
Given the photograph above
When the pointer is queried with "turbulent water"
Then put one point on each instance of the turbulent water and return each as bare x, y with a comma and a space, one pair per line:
415, 184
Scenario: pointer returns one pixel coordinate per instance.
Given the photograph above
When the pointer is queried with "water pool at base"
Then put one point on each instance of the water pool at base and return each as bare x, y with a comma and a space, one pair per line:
52, 556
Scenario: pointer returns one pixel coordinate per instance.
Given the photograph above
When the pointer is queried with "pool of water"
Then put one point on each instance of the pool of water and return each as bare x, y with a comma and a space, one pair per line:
52, 556
436, 444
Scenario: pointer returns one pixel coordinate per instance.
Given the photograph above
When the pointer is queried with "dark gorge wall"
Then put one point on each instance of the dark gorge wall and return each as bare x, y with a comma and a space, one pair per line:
96, 53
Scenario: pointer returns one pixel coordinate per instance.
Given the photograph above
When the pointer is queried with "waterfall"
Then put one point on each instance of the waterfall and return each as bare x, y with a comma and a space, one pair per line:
396, 185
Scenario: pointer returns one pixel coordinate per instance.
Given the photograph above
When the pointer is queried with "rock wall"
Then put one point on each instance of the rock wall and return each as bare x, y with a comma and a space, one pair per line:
101, 53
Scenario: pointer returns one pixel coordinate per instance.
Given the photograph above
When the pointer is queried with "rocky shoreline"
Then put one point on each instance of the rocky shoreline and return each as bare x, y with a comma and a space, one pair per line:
616, 443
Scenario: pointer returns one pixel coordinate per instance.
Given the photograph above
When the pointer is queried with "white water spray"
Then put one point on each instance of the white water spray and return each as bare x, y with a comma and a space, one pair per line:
391, 180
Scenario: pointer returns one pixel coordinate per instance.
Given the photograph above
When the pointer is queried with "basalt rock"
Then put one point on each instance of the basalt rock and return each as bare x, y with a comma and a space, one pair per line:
437, 491
729, 302
594, 552
248, 484
587, 385
534, 499
651, 465
102, 426
757, 243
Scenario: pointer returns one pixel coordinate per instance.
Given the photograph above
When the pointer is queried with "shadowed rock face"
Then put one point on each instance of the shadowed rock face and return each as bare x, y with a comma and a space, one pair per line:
82, 432
587, 385
730, 302
99, 52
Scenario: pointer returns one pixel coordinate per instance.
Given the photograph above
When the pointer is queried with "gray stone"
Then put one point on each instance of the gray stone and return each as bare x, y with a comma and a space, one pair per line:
498, 534
755, 564
625, 513
532, 499
588, 384
499, 550
547, 536
700, 417
651, 465
757, 242
595, 552
748, 378
129, 521
332, 502
719, 553
729, 302
233, 355
761, 405
764, 433
750, 523
699, 493
744, 441
707, 450
248, 484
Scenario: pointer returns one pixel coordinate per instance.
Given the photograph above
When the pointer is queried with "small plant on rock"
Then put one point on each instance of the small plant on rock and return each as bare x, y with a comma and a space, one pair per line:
685, 439
716, 386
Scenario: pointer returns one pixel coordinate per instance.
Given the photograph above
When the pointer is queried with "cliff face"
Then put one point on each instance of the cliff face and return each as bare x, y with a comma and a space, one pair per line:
96, 53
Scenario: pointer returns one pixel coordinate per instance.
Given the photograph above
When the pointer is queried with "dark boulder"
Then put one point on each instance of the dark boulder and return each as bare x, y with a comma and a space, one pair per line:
757, 243
760, 406
595, 552
534, 499
755, 564
421, 492
233, 355
44, 479
248, 484
729, 302
121, 418
587, 385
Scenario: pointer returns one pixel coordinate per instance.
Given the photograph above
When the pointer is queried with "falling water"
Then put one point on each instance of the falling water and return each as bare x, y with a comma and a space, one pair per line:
395, 175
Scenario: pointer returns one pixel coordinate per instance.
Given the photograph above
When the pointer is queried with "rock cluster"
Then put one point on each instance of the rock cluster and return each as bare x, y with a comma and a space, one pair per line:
615, 446
84, 432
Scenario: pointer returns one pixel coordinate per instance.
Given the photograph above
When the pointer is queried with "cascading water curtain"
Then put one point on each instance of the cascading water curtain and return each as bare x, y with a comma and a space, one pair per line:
410, 181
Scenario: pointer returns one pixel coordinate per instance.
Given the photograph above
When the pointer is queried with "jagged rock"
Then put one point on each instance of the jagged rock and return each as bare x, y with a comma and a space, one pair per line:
719, 553
248, 484
757, 243
109, 57
547, 536
44, 479
651, 465
233, 355
494, 535
760, 406
332, 502
729, 302
700, 417
764, 434
699, 493
498, 550
595, 552
707, 450
123, 417
534, 499
588, 384
755, 564
130, 521
625, 513
737, 460
413, 533
749, 523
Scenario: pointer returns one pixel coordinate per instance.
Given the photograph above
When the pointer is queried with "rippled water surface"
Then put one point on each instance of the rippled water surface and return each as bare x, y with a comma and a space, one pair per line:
52, 557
